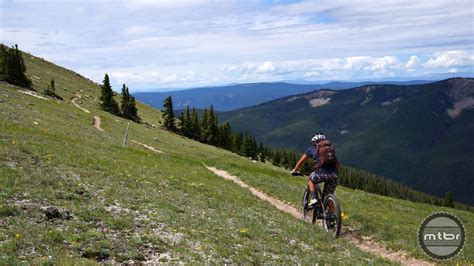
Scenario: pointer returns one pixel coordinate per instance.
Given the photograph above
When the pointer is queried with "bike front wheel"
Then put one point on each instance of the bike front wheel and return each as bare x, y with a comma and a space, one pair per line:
308, 212
332, 215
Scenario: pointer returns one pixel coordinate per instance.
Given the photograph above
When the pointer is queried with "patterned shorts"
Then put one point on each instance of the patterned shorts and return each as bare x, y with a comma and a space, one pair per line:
330, 182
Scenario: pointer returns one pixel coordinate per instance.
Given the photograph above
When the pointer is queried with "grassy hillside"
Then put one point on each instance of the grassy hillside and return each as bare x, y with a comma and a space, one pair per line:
401, 132
117, 204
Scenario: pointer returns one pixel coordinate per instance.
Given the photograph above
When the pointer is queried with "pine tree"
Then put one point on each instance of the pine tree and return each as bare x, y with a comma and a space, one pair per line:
285, 162
51, 90
224, 136
253, 148
247, 145
449, 199
3, 58
195, 130
204, 127
237, 143
168, 114
292, 158
128, 107
14, 67
186, 122
133, 109
124, 106
108, 103
212, 129
181, 123
276, 158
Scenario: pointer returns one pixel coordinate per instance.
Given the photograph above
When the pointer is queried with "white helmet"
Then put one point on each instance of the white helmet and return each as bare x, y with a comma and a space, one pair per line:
317, 137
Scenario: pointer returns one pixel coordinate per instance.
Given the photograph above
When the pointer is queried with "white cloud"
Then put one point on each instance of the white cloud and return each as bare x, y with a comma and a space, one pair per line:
163, 4
312, 74
266, 67
232, 41
357, 62
451, 59
384, 64
413, 63
312, 68
453, 70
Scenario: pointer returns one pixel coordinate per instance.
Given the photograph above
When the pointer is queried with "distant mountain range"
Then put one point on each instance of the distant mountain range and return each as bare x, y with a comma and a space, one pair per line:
231, 97
420, 135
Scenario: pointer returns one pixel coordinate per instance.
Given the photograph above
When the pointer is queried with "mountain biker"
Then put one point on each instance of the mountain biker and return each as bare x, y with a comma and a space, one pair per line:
326, 174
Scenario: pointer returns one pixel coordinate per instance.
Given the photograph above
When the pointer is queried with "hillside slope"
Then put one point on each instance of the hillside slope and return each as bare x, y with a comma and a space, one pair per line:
418, 135
72, 193
225, 98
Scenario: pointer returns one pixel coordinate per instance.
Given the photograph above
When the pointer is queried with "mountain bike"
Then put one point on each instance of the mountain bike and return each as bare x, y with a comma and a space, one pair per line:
328, 210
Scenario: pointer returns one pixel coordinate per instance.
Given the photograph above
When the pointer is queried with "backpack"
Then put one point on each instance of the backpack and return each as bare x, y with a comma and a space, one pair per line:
327, 155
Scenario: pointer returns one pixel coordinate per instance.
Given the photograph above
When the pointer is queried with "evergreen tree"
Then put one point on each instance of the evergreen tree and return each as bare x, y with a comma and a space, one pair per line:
168, 114
292, 158
128, 106
285, 162
3, 58
133, 109
51, 86
195, 130
212, 129
247, 145
253, 148
124, 106
260, 148
204, 127
108, 103
186, 122
449, 199
51, 90
181, 122
237, 143
276, 158
13, 67
225, 138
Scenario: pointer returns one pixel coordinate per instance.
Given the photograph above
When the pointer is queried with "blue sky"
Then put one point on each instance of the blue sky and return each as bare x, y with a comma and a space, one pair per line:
157, 45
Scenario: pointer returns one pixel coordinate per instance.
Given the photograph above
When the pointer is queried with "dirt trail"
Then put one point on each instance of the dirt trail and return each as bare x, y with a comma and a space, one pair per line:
96, 123
76, 97
363, 243
146, 146
34, 94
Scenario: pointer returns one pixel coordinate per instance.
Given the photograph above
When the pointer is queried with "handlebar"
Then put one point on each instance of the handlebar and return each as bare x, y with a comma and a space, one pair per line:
297, 174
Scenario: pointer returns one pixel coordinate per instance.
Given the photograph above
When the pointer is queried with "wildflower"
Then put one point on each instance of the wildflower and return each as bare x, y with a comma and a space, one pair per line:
344, 216
243, 230
17, 235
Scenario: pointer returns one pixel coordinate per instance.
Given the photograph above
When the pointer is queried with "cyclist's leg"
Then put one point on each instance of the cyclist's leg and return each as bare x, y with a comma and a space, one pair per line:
312, 186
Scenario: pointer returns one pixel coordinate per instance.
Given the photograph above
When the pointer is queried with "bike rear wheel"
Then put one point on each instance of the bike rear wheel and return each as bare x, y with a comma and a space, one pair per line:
308, 213
332, 215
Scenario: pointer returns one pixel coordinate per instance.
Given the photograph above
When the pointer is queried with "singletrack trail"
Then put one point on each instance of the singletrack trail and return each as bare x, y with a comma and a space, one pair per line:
96, 123
95, 119
34, 94
363, 243
76, 97
148, 147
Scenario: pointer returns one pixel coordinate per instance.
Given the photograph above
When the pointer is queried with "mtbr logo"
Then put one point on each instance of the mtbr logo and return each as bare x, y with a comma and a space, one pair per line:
441, 235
